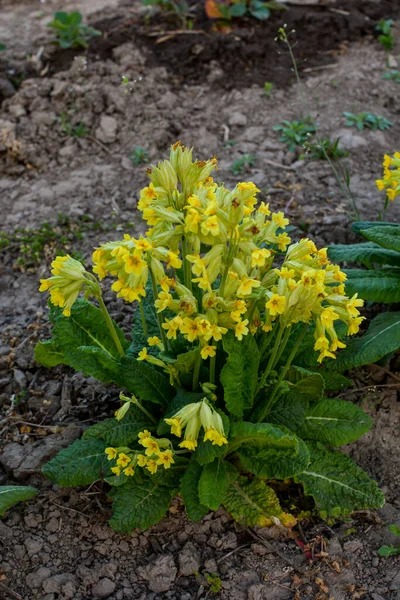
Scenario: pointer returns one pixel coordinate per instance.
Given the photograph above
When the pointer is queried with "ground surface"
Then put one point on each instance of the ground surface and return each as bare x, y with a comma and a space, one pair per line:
205, 90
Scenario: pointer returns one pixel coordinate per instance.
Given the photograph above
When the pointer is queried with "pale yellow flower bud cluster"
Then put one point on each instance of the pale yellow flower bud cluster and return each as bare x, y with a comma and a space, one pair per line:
391, 177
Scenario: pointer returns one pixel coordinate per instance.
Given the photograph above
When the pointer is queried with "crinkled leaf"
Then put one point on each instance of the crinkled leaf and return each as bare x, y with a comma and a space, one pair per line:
337, 484
189, 489
240, 372
334, 382
261, 435
289, 410
335, 422
251, 502
12, 494
48, 355
120, 433
80, 464
275, 463
145, 381
214, 482
367, 253
387, 236
382, 337
377, 286
139, 504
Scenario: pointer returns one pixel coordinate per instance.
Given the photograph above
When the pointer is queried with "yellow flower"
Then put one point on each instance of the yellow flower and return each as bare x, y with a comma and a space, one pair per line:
279, 220
241, 329
283, 240
246, 286
276, 305
259, 257
142, 460
151, 446
123, 460
207, 351
188, 444
210, 225
263, 209
69, 278
216, 438
165, 458
111, 453
328, 316
172, 327
129, 471
176, 425
116, 471
190, 329
192, 220
174, 261
353, 304
134, 263
354, 325
151, 466
143, 354
153, 341
164, 301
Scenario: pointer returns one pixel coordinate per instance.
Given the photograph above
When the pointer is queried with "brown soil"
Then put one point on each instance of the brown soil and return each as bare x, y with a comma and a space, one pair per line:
59, 546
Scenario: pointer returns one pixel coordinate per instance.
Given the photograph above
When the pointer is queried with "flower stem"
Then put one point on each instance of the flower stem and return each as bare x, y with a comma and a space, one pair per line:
159, 318
271, 359
143, 317
283, 345
186, 265
283, 374
135, 401
213, 360
196, 371
110, 325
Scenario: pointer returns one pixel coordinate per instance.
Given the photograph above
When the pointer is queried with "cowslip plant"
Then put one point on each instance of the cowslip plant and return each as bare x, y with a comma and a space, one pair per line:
139, 156
367, 120
326, 149
70, 32
217, 399
295, 133
242, 164
378, 281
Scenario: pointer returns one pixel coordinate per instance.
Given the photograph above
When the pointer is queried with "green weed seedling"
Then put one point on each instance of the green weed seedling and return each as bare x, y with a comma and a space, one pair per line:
385, 37
214, 582
241, 164
76, 131
268, 87
386, 551
367, 120
178, 7
393, 75
139, 156
70, 32
327, 149
242, 8
295, 133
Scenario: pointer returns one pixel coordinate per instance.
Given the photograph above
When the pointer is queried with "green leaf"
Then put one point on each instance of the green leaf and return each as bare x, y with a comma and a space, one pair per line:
206, 452
377, 286
335, 422
388, 551
334, 382
120, 433
74, 19
387, 236
249, 502
395, 529
275, 463
261, 435
289, 410
238, 10
214, 482
80, 464
139, 504
367, 253
47, 354
12, 494
307, 385
190, 492
337, 484
240, 373
145, 381
360, 226
382, 337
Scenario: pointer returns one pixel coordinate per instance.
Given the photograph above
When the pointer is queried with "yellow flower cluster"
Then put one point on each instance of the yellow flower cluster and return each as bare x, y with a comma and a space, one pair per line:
391, 177
158, 452
191, 418
69, 278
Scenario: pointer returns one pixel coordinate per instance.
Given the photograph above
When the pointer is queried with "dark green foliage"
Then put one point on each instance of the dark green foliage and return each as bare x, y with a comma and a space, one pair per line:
367, 120
12, 494
295, 133
70, 32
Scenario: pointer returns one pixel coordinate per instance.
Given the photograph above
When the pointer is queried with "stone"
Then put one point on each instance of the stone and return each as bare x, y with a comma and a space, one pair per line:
353, 546
33, 546
67, 151
237, 119
161, 574
6, 88
189, 560
349, 140
107, 132
20, 379
57, 584
17, 110
34, 580
103, 588
52, 525
395, 583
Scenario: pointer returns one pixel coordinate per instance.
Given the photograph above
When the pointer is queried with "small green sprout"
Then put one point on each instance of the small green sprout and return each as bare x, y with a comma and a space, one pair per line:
214, 582
384, 28
241, 165
367, 120
69, 31
326, 149
246, 8
76, 131
2, 47
386, 551
139, 156
180, 7
230, 143
295, 133
393, 75
268, 87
